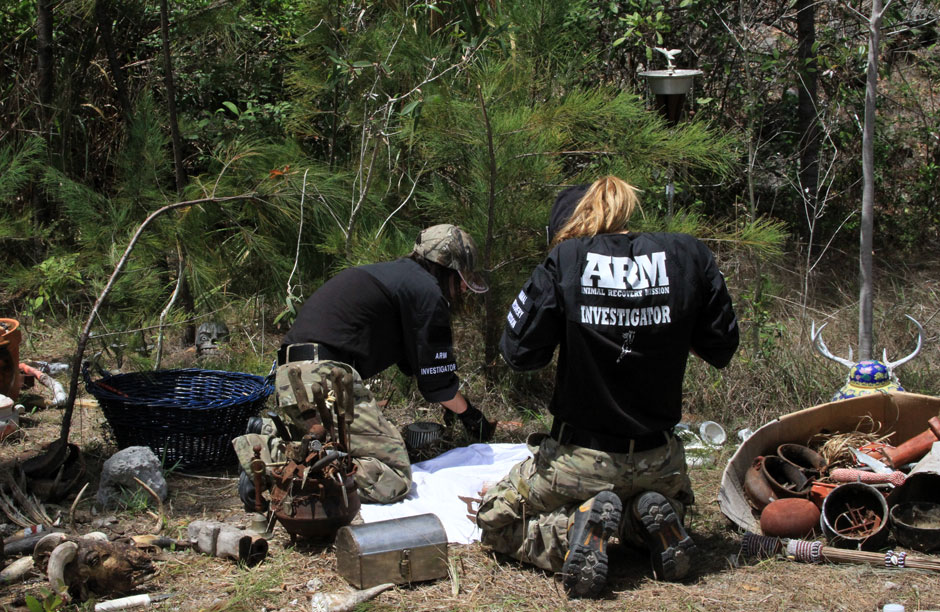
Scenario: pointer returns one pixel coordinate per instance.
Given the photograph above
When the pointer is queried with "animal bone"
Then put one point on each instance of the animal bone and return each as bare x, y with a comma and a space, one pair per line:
45, 546
159, 526
75, 505
16, 570
345, 602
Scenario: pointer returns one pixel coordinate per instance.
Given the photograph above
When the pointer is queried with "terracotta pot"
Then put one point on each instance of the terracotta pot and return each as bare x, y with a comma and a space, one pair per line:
785, 479
809, 461
10, 338
758, 491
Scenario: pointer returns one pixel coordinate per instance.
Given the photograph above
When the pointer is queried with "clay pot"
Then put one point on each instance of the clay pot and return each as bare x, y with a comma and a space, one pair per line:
791, 517
784, 478
809, 461
10, 338
917, 525
758, 491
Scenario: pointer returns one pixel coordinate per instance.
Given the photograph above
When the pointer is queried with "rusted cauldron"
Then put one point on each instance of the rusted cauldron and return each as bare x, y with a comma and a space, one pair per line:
314, 507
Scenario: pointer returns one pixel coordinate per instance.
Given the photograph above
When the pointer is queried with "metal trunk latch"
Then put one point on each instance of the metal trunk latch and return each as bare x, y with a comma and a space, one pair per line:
404, 566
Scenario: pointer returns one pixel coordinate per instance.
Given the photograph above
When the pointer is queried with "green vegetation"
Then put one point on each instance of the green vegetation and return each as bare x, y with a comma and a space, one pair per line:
347, 126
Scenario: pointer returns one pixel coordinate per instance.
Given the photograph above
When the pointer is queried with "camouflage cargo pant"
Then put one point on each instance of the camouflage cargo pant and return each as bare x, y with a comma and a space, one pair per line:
526, 514
383, 470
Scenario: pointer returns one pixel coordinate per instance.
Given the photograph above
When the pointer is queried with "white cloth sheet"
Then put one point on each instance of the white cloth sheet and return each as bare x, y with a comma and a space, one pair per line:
438, 484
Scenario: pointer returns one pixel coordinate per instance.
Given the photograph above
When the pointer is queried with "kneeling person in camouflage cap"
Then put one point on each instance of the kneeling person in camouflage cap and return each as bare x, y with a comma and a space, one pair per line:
370, 317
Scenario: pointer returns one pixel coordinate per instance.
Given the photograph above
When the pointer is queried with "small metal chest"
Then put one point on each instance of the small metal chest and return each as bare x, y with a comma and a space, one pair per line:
409, 549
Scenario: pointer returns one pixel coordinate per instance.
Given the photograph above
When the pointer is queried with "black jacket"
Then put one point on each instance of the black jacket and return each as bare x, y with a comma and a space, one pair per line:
625, 309
377, 315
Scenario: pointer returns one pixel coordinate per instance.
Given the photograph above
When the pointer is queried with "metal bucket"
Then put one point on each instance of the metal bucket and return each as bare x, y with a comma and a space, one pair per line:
855, 515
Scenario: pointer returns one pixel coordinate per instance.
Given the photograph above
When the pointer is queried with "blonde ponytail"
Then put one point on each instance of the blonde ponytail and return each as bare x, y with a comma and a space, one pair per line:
604, 209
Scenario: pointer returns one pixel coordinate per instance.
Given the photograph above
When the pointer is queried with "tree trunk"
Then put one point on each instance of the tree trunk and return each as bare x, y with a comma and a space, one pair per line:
186, 296
44, 57
868, 187
491, 317
808, 125
45, 73
171, 97
103, 18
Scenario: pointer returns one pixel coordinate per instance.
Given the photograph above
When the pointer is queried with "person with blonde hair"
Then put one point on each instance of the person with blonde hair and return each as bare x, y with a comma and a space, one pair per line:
625, 310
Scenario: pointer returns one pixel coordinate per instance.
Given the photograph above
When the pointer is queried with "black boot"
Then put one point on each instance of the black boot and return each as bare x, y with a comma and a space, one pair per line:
671, 548
585, 570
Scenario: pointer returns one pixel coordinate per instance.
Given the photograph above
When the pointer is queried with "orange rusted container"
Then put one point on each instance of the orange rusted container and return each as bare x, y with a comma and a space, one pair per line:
10, 337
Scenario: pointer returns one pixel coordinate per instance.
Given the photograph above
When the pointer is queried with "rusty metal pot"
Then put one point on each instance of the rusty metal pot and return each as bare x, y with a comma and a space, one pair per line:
313, 508
784, 478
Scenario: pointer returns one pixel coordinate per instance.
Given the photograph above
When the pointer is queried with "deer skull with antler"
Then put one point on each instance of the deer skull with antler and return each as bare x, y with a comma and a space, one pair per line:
869, 376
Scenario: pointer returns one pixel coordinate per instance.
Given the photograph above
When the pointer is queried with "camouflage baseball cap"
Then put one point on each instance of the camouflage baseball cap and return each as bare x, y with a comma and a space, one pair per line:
453, 248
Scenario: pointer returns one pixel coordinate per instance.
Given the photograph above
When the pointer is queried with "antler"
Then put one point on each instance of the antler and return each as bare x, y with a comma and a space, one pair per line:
821, 346
920, 335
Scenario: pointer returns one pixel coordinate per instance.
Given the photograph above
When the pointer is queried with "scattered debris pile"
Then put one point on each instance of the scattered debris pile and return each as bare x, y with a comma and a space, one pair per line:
856, 471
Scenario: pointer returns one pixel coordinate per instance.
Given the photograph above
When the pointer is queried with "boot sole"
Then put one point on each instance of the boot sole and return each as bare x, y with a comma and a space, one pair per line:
585, 569
671, 548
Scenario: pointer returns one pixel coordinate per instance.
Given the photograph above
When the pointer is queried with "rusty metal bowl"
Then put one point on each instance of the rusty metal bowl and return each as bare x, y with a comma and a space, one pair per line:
315, 509
916, 525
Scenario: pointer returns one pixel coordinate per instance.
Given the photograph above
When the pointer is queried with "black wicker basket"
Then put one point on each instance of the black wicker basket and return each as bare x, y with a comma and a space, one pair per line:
186, 417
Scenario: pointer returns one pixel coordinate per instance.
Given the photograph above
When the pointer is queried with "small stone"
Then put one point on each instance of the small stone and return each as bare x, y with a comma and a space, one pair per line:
104, 521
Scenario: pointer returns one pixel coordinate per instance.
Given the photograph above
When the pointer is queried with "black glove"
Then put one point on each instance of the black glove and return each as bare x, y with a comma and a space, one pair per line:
478, 428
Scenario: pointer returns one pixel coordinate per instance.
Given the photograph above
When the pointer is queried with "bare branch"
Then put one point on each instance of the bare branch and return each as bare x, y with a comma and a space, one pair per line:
86, 331
166, 311
414, 185
300, 231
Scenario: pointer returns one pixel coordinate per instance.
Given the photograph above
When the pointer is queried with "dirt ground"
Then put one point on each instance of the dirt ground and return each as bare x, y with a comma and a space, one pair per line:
721, 579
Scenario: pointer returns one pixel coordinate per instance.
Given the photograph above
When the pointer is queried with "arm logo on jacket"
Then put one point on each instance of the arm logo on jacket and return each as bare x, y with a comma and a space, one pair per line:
625, 276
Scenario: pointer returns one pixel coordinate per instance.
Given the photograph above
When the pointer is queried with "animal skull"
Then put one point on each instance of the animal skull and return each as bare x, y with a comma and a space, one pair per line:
79, 567
868, 376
